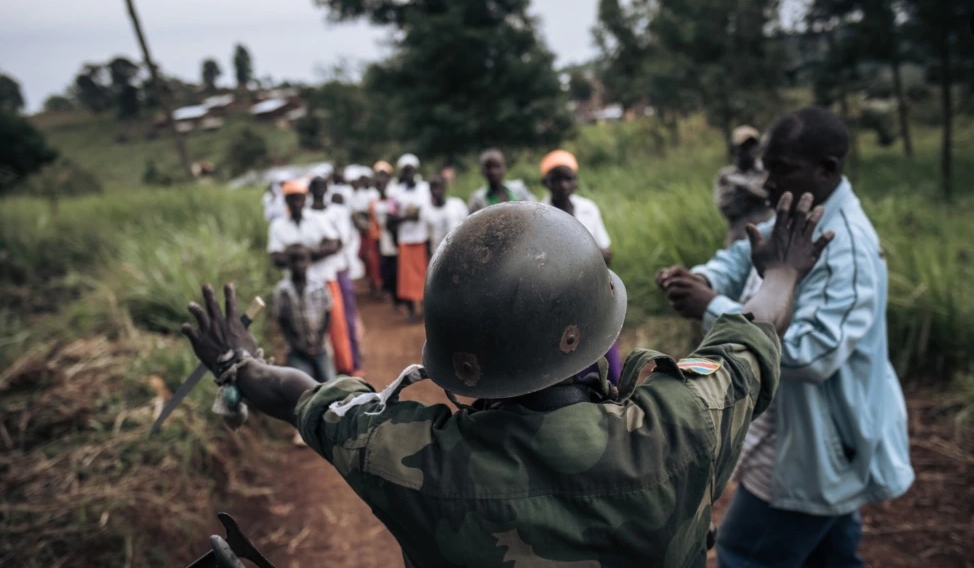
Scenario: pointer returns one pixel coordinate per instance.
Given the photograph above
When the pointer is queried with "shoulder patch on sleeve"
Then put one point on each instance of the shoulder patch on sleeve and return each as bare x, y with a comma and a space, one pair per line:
698, 366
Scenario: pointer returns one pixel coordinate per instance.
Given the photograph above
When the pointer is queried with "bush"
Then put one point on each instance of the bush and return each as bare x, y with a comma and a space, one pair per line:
152, 175
247, 151
309, 132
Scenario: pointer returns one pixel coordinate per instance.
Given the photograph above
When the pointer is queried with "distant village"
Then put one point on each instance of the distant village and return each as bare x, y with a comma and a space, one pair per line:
281, 106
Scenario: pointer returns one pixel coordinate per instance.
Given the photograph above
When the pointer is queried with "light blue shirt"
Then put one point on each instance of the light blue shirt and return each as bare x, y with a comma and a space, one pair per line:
841, 427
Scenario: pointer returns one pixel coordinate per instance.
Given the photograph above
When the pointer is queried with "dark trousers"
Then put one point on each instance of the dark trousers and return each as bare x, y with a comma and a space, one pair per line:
318, 368
754, 535
389, 268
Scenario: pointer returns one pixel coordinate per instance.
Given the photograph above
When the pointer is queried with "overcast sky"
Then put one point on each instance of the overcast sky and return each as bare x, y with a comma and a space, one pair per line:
44, 42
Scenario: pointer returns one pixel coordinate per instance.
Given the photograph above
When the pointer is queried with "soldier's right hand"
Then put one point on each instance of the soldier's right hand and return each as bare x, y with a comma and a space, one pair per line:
790, 245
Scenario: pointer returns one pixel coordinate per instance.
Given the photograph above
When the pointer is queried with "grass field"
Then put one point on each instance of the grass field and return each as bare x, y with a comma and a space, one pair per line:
99, 287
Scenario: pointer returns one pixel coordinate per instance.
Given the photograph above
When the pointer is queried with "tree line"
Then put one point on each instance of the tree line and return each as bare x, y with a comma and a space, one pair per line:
730, 59
467, 74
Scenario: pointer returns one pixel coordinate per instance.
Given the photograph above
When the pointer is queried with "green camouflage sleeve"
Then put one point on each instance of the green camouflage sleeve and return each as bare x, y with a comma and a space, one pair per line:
341, 436
749, 355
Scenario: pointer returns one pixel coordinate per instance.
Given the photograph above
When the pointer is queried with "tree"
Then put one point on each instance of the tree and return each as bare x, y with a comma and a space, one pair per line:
342, 120
243, 66
686, 54
58, 103
210, 72
91, 90
465, 75
721, 51
23, 150
162, 95
937, 27
580, 88
123, 73
11, 99
247, 151
866, 30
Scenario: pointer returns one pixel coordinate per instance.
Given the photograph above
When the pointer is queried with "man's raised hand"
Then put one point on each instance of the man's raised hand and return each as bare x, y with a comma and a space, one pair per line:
790, 245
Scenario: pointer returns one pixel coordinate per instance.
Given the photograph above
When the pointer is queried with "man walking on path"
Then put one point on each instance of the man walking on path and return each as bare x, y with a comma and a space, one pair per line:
835, 437
739, 189
493, 167
546, 468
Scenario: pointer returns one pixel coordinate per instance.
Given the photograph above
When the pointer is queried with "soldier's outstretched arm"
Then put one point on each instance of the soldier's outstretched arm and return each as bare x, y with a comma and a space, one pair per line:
224, 345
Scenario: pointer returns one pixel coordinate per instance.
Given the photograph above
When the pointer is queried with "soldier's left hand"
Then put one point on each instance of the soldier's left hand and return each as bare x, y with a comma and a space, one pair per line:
689, 296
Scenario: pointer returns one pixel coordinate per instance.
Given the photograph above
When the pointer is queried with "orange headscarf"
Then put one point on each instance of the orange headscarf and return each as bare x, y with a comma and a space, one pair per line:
557, 159
383, 166
294, 186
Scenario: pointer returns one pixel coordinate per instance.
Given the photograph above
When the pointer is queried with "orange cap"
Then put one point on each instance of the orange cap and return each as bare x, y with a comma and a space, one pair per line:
294, 186
383, 166
557, 159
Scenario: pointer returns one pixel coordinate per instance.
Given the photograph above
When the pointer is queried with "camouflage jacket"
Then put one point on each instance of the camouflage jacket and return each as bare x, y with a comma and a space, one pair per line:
627, 480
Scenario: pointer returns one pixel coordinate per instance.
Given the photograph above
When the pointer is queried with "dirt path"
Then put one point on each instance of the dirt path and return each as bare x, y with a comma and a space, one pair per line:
316, 521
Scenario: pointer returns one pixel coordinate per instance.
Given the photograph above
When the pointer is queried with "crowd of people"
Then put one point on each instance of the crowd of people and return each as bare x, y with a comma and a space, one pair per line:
335, 225
564, 458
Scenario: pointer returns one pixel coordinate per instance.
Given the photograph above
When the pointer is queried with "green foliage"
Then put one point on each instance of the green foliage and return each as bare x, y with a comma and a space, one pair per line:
209, 73
154, 176
580, 87
58, 103
11, 99
466, 75
64, 178
344, 119
689, 54
23, 150
243, 66
91, 90
309, 132
247, 151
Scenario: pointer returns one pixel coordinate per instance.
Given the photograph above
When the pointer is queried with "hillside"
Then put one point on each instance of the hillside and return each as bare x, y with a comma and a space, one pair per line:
94, 292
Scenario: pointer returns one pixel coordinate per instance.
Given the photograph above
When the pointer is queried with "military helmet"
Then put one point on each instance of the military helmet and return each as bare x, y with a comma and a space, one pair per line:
517, 299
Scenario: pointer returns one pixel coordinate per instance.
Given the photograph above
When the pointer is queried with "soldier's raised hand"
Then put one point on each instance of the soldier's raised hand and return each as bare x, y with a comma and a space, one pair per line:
790, 245
218, 334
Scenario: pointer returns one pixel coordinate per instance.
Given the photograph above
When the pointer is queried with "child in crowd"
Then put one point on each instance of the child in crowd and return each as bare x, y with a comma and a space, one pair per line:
493, 167
443, 213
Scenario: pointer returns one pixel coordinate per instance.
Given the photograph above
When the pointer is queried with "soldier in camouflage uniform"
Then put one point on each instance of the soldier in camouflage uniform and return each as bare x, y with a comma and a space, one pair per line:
739, 189
547, 468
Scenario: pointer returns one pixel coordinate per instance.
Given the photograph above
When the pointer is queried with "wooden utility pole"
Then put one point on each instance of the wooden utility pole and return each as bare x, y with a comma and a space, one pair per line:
161, 92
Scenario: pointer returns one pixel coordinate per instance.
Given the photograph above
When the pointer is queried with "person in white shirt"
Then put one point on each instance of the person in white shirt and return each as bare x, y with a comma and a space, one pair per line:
339, 186
559, 173
443, 213
384, 235
296, 227
409, 198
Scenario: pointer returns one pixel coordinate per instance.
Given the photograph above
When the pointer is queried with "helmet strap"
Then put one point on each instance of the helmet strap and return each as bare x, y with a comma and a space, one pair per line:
457, 403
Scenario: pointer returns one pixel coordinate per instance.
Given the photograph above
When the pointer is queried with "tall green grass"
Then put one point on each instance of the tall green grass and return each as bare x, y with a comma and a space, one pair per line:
149, 250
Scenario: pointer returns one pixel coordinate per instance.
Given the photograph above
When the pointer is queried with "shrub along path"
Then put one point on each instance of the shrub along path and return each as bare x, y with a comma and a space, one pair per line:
312, 519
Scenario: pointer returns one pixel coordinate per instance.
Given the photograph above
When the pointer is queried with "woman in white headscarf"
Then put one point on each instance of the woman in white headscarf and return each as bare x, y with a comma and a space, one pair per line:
409, 197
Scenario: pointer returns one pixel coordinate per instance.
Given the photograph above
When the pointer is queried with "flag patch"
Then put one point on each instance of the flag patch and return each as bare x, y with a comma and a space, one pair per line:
698, 366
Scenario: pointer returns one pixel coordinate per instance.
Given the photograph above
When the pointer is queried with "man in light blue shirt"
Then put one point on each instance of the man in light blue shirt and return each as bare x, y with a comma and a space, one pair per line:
835, 437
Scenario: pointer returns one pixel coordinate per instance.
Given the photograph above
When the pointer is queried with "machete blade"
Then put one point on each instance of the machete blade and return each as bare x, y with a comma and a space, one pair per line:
194, 378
